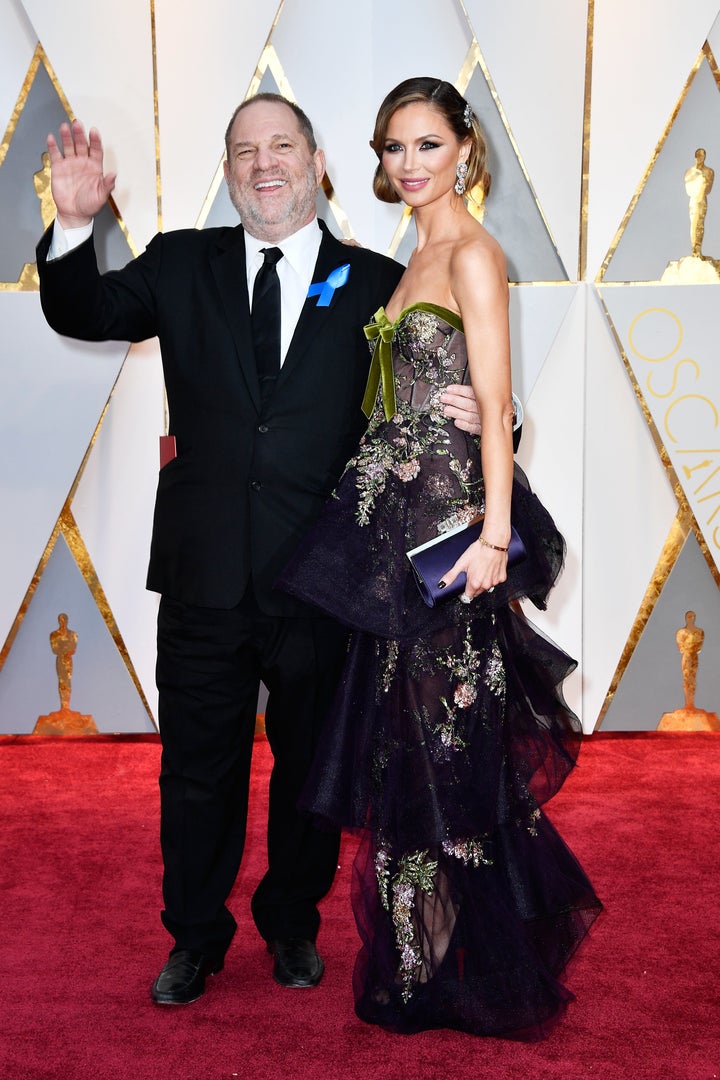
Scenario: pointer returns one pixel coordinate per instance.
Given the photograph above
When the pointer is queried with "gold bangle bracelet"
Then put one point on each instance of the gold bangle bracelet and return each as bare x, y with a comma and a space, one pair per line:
495, 547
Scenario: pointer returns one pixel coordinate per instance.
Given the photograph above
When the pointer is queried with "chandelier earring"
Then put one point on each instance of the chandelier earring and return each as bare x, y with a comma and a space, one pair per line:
461, 172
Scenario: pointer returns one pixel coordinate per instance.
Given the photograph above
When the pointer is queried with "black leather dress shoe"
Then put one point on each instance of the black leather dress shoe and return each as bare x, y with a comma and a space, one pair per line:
297, 962
182, 979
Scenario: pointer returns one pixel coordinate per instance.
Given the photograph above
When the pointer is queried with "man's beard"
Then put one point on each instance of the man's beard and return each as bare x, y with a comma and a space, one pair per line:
289, 217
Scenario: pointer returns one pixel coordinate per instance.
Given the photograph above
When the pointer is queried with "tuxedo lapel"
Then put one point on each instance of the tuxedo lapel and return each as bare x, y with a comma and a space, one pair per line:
313, 318
227, 263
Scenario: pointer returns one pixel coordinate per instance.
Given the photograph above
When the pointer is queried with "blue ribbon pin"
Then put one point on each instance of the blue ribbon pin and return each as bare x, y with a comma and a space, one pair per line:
324, 289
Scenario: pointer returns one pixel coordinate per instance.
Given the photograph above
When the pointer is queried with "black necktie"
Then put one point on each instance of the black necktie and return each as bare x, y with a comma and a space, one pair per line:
265, 320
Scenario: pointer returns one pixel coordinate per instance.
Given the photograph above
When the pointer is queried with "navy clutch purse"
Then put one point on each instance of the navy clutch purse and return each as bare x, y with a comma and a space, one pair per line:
431, 560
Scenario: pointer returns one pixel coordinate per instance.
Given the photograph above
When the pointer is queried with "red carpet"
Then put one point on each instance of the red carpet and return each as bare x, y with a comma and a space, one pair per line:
81, 937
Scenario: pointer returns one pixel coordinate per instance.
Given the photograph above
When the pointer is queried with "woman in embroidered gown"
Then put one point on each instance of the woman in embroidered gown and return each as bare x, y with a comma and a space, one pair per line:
449, 731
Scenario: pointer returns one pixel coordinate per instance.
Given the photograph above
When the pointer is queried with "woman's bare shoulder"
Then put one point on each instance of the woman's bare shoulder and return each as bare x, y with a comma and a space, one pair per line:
478, 257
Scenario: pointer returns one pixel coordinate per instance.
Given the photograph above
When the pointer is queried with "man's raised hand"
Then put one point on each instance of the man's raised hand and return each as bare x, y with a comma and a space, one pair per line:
79, 186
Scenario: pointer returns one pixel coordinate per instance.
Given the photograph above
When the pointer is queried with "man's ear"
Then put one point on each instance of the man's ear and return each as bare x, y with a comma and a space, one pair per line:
319, 161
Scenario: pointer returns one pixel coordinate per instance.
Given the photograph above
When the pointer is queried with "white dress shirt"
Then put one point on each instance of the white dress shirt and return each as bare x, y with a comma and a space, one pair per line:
295, 270
64, 240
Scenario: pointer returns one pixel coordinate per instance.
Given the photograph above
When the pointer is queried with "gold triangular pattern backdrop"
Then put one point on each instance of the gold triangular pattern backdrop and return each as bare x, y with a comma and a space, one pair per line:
591, 203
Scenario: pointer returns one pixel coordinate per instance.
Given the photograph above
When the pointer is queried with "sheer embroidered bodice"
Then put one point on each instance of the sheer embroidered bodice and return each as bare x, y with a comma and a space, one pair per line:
424, 362
414, 475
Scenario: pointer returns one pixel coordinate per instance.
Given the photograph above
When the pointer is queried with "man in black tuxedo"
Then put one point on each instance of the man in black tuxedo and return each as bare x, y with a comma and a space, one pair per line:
262, 429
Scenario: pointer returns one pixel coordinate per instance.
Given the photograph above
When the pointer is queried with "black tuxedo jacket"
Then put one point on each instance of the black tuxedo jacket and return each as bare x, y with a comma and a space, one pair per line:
247, 479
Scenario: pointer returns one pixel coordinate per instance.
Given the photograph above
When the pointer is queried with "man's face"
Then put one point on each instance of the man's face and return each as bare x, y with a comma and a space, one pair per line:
271, 175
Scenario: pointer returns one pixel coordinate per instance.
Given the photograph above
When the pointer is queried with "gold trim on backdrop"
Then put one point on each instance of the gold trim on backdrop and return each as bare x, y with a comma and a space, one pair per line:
4, 652
28, 279
338, 213
269, 59
684, 507
679, 532
76, 544
39, 57
217, 180
67, 527
158, 169
65, 523
134, 251
656, 437
712, 63
475, 59
156, 112
585, 175
399, 235
31, 589
704, 54
569, 284
685, 522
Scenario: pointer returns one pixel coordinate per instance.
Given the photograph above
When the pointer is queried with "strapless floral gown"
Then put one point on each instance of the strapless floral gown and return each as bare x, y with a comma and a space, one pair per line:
449, 731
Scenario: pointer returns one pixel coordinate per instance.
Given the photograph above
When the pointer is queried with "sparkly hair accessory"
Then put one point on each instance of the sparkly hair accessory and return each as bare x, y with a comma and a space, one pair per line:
468, 115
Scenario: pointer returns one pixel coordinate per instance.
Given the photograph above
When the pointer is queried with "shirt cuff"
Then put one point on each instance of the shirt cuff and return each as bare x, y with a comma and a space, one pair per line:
64, 240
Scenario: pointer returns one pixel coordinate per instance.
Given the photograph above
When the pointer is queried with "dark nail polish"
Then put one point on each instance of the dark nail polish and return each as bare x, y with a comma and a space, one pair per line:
442, 584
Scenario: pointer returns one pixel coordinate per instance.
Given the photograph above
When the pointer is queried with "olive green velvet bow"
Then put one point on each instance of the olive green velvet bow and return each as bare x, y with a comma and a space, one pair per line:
381, 367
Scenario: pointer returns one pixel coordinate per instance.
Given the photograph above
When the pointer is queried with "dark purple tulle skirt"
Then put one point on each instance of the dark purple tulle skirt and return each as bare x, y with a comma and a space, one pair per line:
448, 734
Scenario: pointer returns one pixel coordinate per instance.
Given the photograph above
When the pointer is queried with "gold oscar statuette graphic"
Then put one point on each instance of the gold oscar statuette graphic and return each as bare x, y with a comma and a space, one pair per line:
689, 640
698, 184
695, 268
64, 721
29, 276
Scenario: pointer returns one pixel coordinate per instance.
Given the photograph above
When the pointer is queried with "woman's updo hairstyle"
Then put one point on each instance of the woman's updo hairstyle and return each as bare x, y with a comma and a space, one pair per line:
448, 101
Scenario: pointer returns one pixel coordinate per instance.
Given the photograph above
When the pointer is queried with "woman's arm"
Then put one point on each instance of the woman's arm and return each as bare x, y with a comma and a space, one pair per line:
479, 282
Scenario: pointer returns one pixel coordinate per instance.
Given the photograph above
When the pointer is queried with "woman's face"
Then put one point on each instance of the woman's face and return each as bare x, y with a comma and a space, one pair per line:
421, 154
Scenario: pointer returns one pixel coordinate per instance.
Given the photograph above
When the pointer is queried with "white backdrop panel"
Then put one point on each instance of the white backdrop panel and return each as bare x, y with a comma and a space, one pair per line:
670, 337
536, 315
206, 57
102, 56
114, 503
372, 47
543, 100
551, 454
52, 392
586, 445
652, 683
643, 55
714, 38
629, 509
101, 685
17, 45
